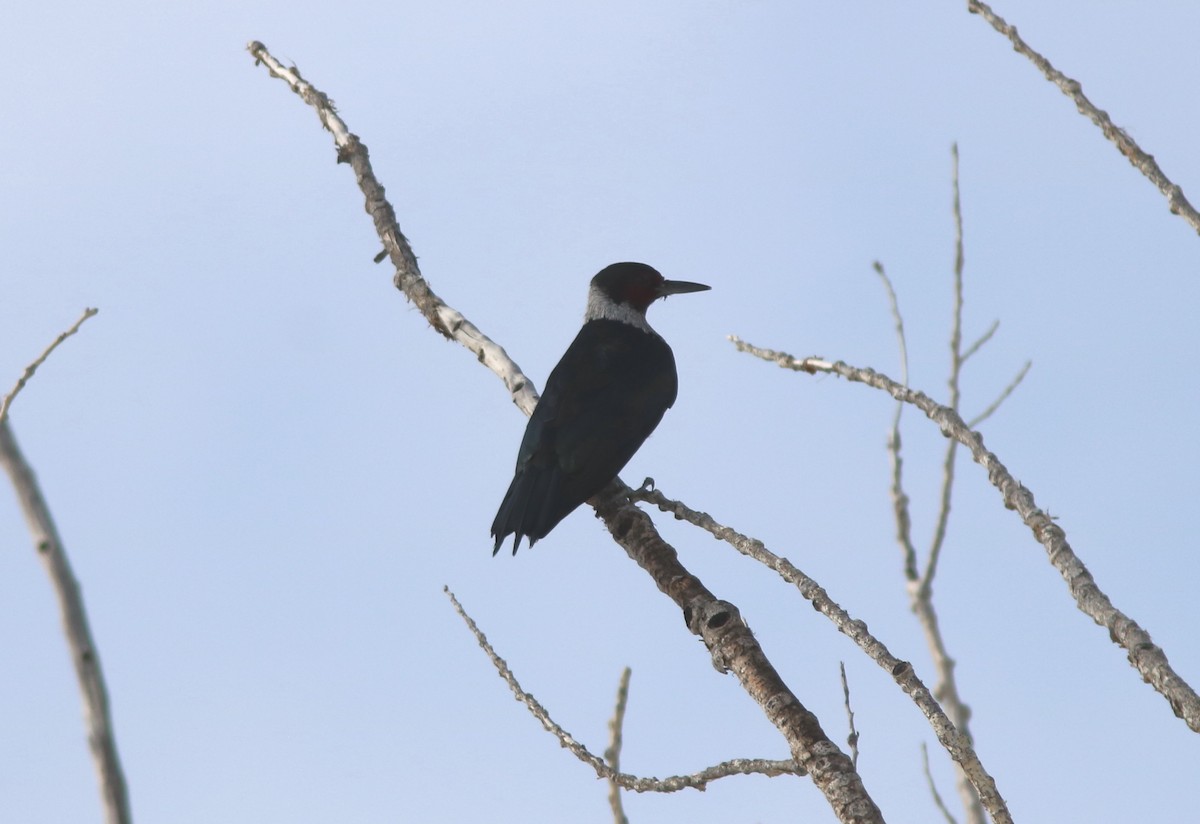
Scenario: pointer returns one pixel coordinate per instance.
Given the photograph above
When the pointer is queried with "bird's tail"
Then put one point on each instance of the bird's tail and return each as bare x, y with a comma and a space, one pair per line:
531, 507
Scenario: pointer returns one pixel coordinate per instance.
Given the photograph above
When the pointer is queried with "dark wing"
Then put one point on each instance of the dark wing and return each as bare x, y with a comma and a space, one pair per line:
603, 399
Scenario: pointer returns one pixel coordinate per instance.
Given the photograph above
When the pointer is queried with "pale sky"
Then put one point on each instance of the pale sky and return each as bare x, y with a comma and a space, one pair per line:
265, 465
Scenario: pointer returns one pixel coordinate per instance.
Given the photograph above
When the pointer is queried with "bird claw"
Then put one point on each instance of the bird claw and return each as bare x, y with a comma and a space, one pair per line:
642, 491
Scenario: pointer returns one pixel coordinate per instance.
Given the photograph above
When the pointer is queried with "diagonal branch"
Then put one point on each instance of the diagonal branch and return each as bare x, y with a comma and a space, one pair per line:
897, 319
1002, 397
1125, 144
978, 344
697, 781
954, 741
734, 649
1146, 657
39, 360
84, 655
445, 319
937, 797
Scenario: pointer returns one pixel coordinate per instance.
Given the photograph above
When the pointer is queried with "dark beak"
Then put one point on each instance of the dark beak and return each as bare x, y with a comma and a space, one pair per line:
680, 287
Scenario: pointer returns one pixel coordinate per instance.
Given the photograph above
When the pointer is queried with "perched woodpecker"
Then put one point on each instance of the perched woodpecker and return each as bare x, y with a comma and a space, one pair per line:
602, 400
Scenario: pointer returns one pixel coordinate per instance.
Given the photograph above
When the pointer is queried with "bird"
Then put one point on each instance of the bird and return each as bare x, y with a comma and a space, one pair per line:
606, 395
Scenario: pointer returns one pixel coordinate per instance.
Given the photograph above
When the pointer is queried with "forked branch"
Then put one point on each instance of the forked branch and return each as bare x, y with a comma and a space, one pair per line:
84, 655
956, 744
1146, 657
696, 781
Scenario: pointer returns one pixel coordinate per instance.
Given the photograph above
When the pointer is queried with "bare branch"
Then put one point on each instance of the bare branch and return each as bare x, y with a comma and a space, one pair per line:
1008, 390
1125, 144
978, 344
734, 649
900, 502
897, 318
31, 368
943, 517
956, 744
899, 496
84, 655
956, 326
612, 755
852, 738
937, 797
445, 319
921, 591
921, 601
1146, 657
698, 781
956, 362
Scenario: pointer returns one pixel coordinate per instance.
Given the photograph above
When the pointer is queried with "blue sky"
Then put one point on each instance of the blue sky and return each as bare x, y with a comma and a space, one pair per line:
265, 465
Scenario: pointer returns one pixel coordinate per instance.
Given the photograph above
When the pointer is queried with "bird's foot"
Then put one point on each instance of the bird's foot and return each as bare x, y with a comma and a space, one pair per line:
641, 493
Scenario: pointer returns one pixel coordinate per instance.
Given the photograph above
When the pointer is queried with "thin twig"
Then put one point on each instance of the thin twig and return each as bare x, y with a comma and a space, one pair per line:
937, 797
1125, 144
900, 499
1146, 657
31, 368
956, 324
956, 361
84, 654
979, 342
925, 585
956, 744
612, 755
697, 781
852, 738
1008, 390
897, 319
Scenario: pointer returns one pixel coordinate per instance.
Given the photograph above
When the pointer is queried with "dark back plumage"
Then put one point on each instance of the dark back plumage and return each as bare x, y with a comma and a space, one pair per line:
603, 399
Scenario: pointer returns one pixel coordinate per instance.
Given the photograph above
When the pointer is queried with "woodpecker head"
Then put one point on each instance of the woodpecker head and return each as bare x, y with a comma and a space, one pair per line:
624, 291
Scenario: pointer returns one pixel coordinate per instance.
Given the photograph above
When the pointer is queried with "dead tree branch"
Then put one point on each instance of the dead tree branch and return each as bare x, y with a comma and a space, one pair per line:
84, 655
39, 360
852, 738
933, 790
735, 649
1126, 145
612, 755
1146, 657
696, 781
444, 319
956, 744
920, 589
